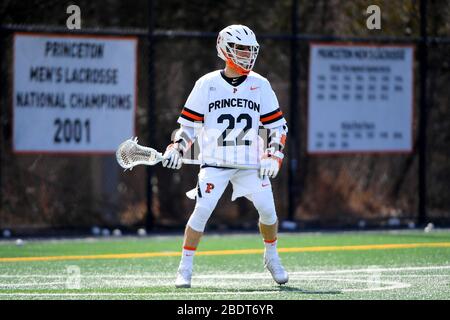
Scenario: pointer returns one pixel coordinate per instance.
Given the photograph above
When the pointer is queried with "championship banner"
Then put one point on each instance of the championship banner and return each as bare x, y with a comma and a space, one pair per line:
360, 98
73, 94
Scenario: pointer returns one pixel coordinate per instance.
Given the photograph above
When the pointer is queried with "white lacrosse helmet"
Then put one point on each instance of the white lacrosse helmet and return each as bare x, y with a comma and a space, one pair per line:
229, 48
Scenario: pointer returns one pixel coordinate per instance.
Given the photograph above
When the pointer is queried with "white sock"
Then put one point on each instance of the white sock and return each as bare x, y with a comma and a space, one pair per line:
271, 248
187, 258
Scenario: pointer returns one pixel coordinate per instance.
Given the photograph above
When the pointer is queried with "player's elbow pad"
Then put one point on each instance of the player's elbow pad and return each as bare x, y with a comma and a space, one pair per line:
185, 136
277, 137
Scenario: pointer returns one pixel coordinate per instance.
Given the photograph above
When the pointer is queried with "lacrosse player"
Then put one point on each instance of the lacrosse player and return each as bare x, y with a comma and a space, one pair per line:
224, 112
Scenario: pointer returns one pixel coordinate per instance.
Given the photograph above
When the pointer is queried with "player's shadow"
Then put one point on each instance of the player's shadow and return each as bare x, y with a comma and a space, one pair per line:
303, 291
278, 289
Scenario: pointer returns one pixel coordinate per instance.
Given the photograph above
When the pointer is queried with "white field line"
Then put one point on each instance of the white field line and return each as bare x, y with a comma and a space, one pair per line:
376, 269
229, 283
150, 294
330, 275
372, 285
380, 286
45, 285
242, 276
235, 275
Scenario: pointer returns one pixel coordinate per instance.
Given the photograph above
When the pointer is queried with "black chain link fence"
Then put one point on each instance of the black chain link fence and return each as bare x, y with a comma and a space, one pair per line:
52, 192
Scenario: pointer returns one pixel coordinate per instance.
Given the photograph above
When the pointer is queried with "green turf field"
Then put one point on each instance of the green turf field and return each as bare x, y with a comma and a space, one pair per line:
347, 265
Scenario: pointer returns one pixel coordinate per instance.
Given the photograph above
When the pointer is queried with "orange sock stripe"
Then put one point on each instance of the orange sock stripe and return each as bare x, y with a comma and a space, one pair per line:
189, 248
270, 241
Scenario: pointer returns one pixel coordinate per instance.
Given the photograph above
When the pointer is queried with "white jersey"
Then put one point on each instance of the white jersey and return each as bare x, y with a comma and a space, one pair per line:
229, 117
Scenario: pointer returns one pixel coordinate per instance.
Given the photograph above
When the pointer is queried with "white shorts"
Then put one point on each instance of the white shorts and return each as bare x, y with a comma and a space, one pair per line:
212, 182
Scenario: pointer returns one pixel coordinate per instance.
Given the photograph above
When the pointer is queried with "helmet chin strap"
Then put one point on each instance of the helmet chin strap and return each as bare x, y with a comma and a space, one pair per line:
239, 70
233, 66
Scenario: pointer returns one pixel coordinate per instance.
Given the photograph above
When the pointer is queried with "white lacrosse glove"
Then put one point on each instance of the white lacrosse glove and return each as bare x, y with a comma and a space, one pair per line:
173, 156
271, 163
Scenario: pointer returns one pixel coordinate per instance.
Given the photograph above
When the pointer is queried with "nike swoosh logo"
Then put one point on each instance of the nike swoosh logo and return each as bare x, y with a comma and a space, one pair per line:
265, 185
253, 88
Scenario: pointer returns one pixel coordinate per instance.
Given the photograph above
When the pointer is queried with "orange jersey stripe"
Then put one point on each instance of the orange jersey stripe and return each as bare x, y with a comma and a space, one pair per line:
192, 116
276, 115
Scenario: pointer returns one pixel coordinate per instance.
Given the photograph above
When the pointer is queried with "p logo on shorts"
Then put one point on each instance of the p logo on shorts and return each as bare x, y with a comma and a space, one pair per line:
209, 187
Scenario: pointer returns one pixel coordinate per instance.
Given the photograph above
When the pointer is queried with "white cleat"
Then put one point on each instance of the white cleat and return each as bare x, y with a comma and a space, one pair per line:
279, 274
183, 278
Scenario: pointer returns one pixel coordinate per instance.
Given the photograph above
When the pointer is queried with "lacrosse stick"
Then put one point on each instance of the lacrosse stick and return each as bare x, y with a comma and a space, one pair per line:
130, 154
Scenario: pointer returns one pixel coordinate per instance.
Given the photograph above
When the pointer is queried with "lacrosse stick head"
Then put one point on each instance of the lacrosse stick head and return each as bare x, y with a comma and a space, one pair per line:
130, 154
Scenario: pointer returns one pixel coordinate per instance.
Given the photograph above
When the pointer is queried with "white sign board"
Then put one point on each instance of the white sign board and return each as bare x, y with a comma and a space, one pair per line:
360, 98
73, 94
